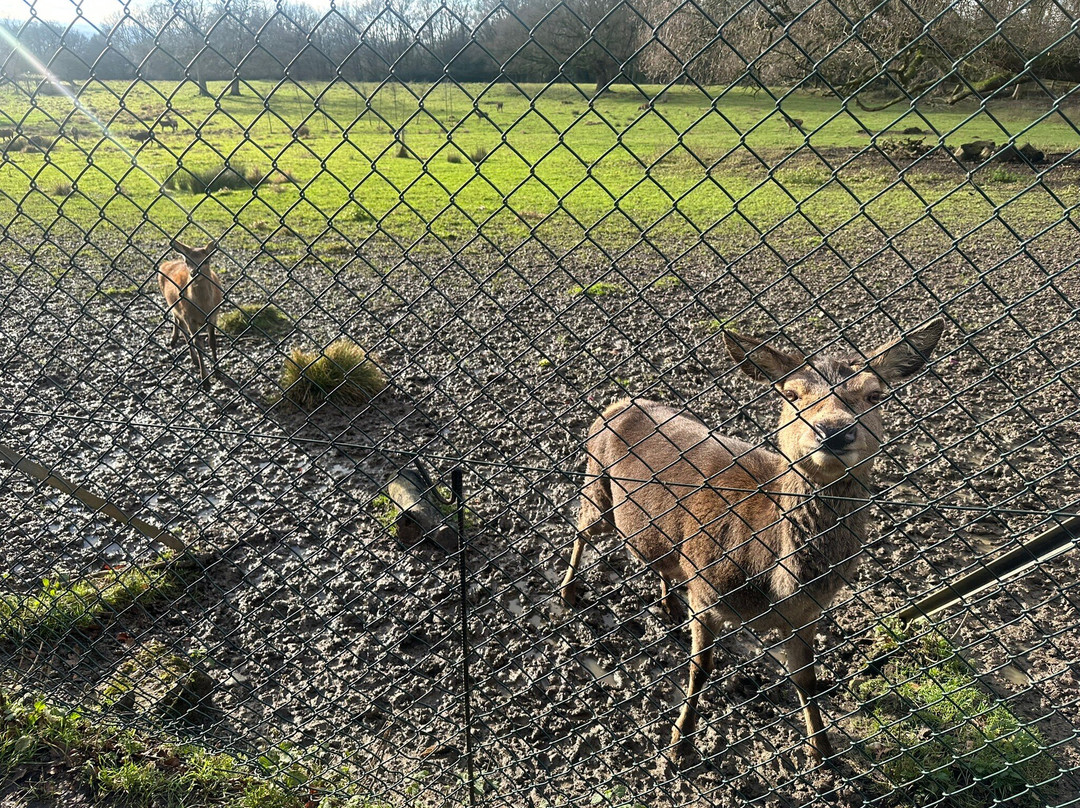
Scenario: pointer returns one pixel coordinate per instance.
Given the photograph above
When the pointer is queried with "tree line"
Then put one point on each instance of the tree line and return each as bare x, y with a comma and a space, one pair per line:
899, 49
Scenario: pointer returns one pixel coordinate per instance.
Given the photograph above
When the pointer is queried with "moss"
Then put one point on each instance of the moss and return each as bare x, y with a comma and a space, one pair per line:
343, 373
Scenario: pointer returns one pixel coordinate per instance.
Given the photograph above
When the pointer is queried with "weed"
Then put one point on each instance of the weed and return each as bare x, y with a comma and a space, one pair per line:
215, 178
598, 289
936, 734
62, 189
453, 157
342, 373
256, 319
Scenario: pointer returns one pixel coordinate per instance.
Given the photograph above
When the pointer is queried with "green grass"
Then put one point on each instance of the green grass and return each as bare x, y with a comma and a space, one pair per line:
120, 767
342, 373
598, 289
256, 319
60, 605
119, 291
932, 732
628, 173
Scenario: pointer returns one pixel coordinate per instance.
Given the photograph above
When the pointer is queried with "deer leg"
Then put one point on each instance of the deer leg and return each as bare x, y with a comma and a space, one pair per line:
175, 334
671, 602
703, 631
213, 349
799, 660
569, 585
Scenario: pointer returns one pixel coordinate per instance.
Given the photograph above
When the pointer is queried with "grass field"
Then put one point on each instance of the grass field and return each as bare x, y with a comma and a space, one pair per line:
397, 159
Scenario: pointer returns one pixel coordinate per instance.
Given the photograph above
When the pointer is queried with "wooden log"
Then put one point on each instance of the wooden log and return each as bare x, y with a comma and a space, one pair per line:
419, 516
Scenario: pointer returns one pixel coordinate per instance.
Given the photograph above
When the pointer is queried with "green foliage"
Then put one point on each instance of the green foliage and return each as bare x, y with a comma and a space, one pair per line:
215, 178
63, 605
453, 157
934, 733
62, 189
119, 291
666, 282
1001, 175
598, 289
343, 373
479, 154
256, 319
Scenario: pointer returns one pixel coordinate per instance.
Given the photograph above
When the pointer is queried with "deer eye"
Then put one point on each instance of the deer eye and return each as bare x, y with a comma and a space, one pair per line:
790, 395
873, 399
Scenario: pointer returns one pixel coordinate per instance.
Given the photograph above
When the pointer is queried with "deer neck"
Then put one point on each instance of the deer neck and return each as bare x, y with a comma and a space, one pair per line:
822, 528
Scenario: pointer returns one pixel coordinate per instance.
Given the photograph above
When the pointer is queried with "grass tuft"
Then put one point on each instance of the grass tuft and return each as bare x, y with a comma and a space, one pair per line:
479, 154
935, 734
215, 178
343, 373
256, 319
61, 606
62, 189
453, 157
1002, 175
598, 289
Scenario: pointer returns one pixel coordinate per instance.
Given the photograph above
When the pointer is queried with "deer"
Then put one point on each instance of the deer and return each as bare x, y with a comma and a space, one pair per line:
760, 539
193, 294
794, 123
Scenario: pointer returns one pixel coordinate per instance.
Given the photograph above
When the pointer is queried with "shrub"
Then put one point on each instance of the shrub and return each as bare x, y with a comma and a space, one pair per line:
343, 373
215, 178
256, 319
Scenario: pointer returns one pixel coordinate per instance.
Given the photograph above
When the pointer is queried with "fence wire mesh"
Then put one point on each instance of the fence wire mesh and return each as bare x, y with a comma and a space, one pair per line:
448, 236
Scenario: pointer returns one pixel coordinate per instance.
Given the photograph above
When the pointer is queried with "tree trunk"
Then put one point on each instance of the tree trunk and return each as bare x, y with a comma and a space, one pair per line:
234, 87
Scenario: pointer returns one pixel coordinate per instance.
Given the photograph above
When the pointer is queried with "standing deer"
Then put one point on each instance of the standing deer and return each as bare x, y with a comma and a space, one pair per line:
760, 539
193, 294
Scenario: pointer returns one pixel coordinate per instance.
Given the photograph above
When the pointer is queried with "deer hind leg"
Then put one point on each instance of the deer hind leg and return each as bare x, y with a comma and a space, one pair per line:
704, 626
175, 333
594, 516
799, 660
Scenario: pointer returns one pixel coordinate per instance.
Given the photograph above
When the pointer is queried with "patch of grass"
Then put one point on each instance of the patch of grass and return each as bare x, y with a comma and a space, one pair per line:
215, 178
479, 154
386, 512
343, 373
256, 319
1002, 175
60, 606
598, 289
933, 733
667, 282
453, 157
62, 189
362, 214
127, 768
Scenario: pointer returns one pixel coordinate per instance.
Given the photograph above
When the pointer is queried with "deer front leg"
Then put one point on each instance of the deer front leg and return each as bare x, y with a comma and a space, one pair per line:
703, 631
799, 660
175, 334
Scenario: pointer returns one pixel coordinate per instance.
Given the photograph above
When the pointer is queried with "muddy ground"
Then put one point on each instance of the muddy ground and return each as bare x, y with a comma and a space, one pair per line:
321, 632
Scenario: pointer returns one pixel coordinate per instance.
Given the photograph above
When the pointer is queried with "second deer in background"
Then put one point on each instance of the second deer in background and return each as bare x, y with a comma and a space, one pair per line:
193, 294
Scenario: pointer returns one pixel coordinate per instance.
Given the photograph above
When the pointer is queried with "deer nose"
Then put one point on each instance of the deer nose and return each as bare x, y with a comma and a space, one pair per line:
836, 438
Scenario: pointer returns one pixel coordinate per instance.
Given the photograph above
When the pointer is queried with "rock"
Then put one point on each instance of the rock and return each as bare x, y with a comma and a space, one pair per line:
159, 681
975, 150
418, 516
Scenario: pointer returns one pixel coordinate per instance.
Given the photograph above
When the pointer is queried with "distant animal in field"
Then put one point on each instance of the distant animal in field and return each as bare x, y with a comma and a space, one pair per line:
73, 133
143, 137
301, 131
646, 105
498, 106
7, 134
794, 123
169, 123
193, 294
759, 539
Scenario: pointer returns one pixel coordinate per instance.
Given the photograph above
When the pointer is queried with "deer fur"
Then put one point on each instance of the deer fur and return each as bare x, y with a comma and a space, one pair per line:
760, 539
193, 294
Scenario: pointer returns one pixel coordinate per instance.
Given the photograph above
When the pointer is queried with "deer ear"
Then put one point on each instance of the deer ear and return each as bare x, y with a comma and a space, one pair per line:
211, 245
904, 357
760, 362
179, 246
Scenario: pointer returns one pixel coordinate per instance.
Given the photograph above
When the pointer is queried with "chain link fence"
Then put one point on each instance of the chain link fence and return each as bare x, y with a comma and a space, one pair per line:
330, 540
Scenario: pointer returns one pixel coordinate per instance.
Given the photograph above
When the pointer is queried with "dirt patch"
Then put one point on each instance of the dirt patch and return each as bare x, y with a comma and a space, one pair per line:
323, 633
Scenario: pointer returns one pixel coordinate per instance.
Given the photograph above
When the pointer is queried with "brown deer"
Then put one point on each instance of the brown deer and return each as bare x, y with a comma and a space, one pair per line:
193, 293
168, 122
760, 539
794, 123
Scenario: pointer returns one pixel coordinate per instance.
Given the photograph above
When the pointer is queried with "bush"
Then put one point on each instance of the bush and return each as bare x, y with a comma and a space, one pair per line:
215, 178
256, 319
343, 373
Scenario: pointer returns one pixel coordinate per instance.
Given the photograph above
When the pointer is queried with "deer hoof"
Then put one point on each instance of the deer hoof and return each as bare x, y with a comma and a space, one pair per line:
569, 595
